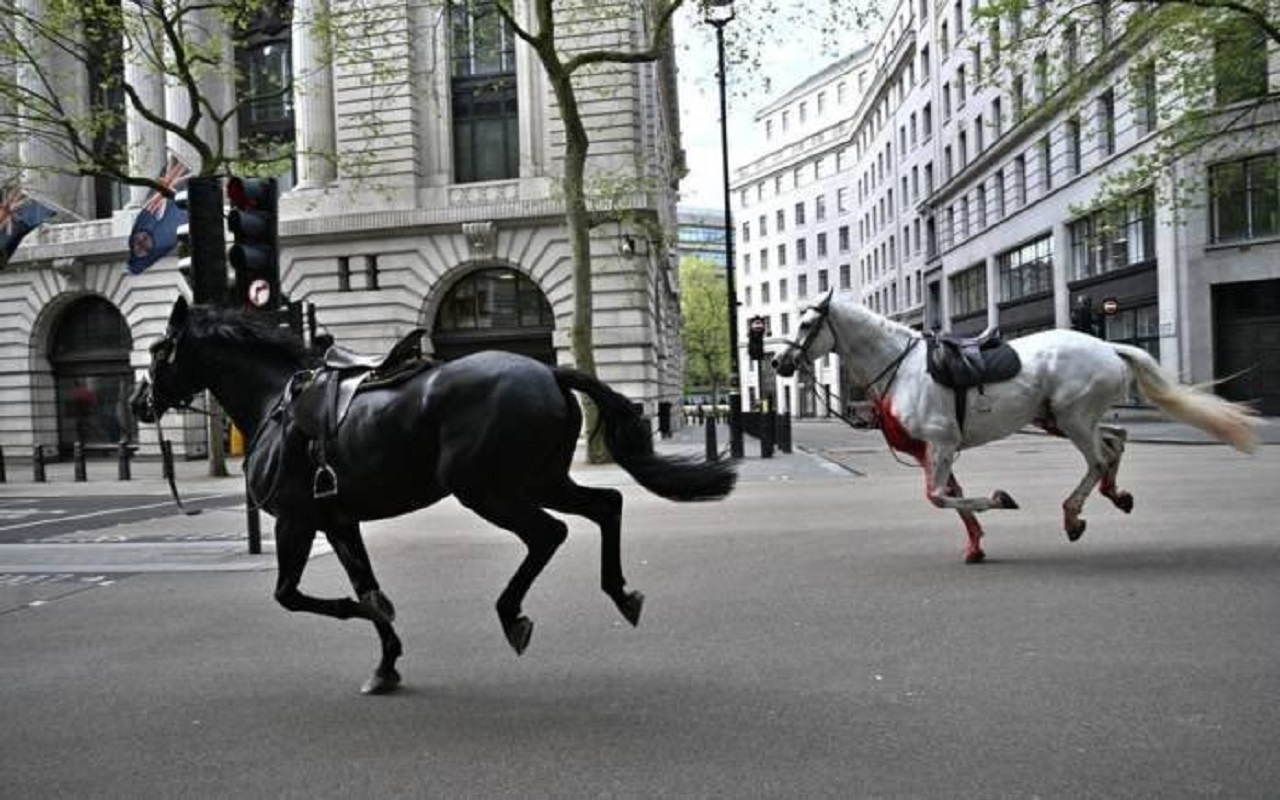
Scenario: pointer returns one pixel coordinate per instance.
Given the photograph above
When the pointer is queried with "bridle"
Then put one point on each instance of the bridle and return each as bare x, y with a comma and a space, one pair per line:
802, 345
166, 350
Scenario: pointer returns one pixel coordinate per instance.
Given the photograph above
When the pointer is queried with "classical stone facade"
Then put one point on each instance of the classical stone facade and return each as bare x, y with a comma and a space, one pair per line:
376, 232
970, 193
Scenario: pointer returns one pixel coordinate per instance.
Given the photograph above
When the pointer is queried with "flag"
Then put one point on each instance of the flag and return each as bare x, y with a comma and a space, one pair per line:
155, 229
19, 215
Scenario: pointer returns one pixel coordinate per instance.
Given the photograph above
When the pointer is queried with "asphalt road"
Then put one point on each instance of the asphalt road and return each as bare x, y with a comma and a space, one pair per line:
816, 635
85, 516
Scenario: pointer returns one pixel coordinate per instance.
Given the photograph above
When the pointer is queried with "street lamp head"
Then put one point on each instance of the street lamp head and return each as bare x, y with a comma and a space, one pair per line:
718, 12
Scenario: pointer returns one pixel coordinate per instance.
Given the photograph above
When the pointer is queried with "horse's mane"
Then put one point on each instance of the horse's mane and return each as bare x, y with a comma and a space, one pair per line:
857, 306
248, 328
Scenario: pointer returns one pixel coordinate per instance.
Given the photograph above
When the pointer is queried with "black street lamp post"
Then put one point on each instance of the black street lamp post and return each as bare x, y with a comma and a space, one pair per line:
718, 14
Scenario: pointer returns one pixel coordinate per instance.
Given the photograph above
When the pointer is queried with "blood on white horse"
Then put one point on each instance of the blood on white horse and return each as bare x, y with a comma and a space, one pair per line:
1068, 381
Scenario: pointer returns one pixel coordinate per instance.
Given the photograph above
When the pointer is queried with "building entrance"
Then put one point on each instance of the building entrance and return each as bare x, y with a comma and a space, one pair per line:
1246, 326
89, 353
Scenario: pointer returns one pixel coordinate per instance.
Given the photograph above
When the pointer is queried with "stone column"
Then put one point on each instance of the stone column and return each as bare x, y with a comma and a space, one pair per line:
217, 88
315, 136
147, 154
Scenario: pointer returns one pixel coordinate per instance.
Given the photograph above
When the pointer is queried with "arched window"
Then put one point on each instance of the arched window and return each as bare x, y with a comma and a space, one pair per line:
89, 353
495, 309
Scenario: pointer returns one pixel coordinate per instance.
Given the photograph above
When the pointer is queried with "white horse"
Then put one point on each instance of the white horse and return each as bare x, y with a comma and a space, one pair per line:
1067, 381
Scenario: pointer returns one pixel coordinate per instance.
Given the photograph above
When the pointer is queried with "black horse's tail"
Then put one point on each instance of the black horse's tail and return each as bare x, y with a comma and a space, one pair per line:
630, 440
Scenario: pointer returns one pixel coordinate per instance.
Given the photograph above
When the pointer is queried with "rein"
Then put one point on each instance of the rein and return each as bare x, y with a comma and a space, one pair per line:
893, 366
166, 450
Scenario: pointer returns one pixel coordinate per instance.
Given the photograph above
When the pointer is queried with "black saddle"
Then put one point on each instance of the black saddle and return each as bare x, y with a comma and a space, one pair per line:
961, 363
317, 400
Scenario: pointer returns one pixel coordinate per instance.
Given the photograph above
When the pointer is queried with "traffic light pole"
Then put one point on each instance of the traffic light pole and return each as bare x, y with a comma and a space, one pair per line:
735, 378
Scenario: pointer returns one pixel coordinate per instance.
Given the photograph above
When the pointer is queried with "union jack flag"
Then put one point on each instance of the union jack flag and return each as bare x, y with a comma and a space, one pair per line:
19, 215
155, 229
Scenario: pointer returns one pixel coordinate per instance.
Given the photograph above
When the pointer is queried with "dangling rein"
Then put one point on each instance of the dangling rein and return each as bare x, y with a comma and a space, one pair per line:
166, 455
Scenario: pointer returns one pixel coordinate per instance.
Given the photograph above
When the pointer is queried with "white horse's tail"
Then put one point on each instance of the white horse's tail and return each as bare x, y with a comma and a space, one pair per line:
1233, 423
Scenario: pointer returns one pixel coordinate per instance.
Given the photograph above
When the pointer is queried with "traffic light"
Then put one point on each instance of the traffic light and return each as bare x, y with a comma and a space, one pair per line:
200, 241
255, 256
755, 338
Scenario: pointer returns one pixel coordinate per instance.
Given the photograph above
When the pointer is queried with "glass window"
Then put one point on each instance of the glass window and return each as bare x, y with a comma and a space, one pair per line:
264, 88
1115, 238
1239, 61
969, 291
1245, 198
1144, 94
485, 114
495, 298
1107, 122
1027, 270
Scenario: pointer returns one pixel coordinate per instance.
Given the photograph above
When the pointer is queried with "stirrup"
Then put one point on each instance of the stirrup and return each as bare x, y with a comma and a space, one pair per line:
325, 483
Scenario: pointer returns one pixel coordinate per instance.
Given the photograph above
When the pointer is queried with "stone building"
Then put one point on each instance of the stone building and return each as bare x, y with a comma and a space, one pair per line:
970, 191
424, 193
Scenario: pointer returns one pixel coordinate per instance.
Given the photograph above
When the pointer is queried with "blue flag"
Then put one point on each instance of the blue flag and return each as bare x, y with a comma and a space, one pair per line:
19, 215
155, 229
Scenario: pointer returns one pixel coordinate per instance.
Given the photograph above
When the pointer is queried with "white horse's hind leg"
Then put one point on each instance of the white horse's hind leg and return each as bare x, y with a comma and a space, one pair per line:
1113, 440
944, 491
1101, 446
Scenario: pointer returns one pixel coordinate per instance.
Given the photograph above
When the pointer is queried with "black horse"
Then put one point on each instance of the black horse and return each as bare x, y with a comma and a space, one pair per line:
496, 430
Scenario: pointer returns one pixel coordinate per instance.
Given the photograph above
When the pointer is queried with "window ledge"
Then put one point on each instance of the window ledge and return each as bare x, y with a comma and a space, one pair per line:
1243, 244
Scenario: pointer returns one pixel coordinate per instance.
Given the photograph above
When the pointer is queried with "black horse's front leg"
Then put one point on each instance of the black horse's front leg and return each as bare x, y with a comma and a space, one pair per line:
348, 544
293, 548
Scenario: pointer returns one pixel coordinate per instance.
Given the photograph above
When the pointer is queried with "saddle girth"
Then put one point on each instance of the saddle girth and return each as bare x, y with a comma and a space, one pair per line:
963, 363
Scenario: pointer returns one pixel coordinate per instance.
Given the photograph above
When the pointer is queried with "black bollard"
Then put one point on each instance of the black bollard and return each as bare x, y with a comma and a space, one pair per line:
252, 522
736, 449
3, 476
713, 452
166, 459
784, 432
77, 455
123, 470
37, 464
768, 427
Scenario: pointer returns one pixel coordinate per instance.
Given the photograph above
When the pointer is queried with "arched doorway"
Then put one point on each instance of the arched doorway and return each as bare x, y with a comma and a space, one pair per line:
89, 353
494, 309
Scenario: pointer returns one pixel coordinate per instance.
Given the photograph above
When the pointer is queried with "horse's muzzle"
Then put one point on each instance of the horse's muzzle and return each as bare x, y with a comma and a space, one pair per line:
142, 403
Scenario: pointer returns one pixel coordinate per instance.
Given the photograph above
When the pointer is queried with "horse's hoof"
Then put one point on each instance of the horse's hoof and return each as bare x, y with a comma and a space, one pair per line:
1074, 532
1124, 502
974, 557
518, 633
382, 682
630, 604
1002, 499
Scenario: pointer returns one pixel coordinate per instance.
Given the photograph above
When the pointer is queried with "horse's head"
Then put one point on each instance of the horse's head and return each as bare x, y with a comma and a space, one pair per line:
171, 382
814, 338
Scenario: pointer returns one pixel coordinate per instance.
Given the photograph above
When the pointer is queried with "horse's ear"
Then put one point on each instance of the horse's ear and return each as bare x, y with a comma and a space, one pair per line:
824, 305
178, 317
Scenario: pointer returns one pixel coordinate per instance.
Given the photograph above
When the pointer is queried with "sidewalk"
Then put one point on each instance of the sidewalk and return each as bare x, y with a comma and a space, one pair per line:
215, 539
